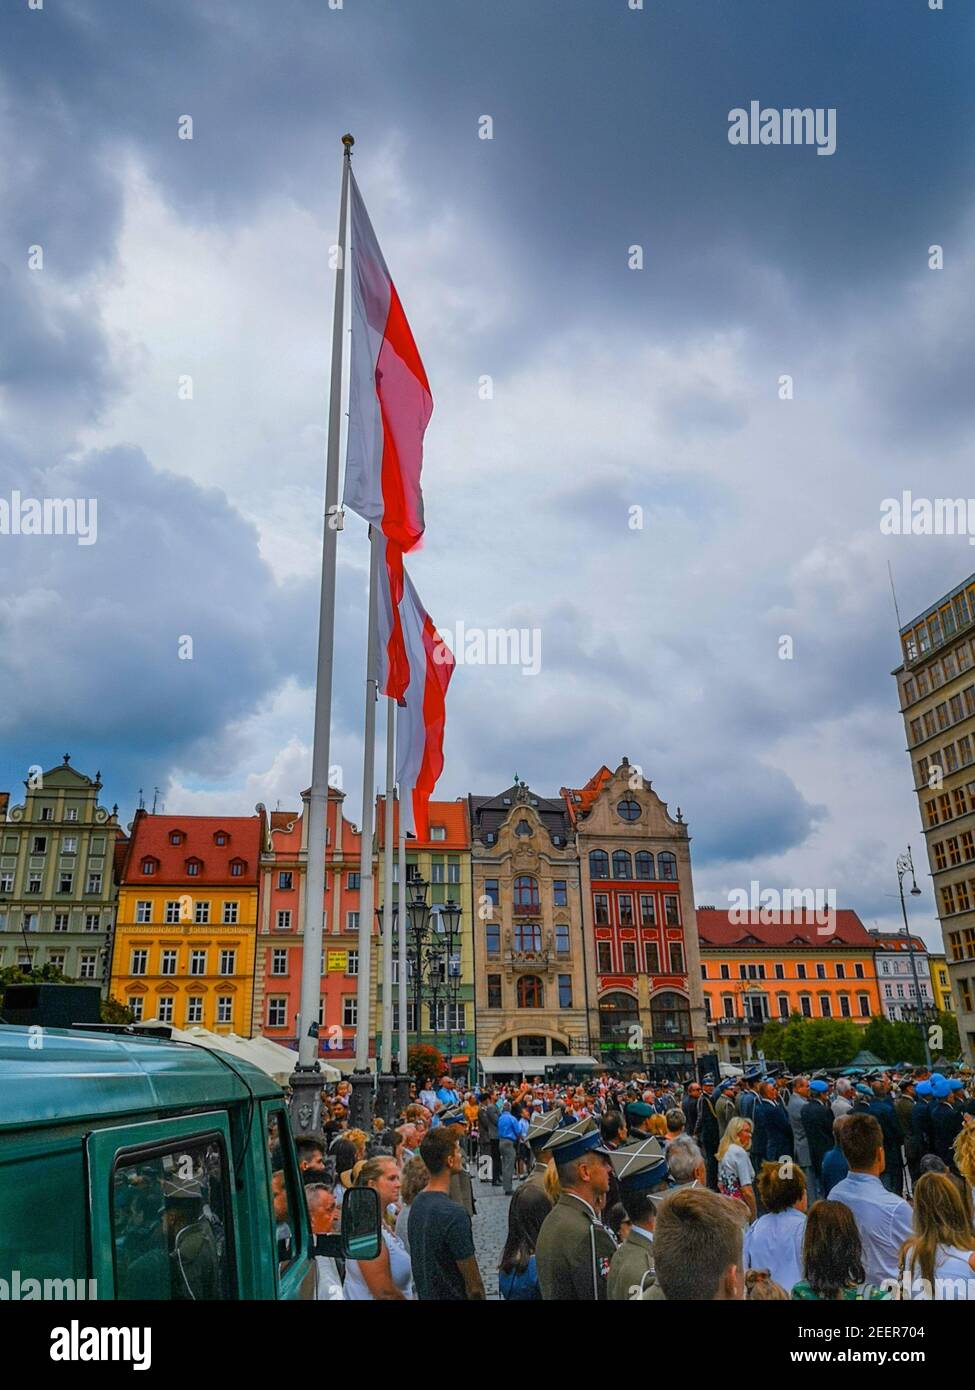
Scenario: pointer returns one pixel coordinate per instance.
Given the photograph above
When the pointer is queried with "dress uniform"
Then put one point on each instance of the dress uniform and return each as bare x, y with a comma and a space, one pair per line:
946, 1120
574, 1248
639, 1167
708, 1132
539, 1133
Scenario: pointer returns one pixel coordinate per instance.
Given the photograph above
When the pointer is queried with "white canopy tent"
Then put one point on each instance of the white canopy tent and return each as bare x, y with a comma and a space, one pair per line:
269, 1057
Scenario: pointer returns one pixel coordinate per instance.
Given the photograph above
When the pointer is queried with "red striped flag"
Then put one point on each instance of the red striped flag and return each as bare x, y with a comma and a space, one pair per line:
421, 717
389, 397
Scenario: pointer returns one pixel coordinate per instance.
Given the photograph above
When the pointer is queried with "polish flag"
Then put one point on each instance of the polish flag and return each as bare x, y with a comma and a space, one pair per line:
393, 673
422, 714
389, 397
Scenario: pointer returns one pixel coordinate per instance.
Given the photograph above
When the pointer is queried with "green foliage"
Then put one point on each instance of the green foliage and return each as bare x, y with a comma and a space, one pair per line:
424, 1060
805, 1044
950, 1039
114, 1012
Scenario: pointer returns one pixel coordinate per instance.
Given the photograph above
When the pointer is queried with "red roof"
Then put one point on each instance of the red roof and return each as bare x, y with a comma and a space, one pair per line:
715, 928
152, 838
452, 815
579, 800
896, 941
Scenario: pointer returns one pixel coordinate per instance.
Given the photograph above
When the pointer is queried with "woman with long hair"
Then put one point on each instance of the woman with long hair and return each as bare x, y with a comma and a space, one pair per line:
344, 1156
736, 1176
517, 1275
389, 1275
832, 1257
938, 1261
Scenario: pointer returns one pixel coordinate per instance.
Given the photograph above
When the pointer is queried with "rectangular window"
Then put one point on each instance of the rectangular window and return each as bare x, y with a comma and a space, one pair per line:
492, 937
825, 1006
198, 962
172, 911
56, 958
491, 890
940, 858
800, 971
438, 832
628, 950
453, 872
494, 991
30, 922
194, 1009
728, 1005
167, 962
87, 968
353, 963
671, 913
561, 939
40, 844
225, 1008
863, 1004
783, 1003
230, 913
652, 952
437, 871
840, 970
352, 921
228, 962
64, 882
47, 813
352, 880
283, 919
285, 879
604, 957
820, 970
725, 972
277, 1011
648, 913
779, 970
94, 883
805, 1004
60, 921
140, 963
676, 958
201, 913
164, 1008
624, 903
93, 921
135, 1005
6, 882
560, 892
33, 882
565, 991
350, 1011
601, 906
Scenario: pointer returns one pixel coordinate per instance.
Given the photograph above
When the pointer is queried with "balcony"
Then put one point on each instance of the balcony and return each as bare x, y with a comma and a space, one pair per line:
528, 960
738, 1027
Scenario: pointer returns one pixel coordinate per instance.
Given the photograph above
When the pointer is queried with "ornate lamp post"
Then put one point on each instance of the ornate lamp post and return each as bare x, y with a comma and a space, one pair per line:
905, 866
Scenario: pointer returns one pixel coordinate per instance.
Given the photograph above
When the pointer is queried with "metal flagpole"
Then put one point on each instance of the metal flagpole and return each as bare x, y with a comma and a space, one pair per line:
305, 1104
403, 1034
361, 1077
386, 1082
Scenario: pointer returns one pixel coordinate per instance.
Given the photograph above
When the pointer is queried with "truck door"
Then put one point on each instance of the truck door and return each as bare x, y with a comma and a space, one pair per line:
294, 1273
161, 1198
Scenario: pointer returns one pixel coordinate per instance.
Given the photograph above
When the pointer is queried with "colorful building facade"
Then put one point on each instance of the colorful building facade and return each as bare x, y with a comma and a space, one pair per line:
280, 954
57, 875
757, 970
185, 940
940, 982
903, 976
646, 1009
531, 981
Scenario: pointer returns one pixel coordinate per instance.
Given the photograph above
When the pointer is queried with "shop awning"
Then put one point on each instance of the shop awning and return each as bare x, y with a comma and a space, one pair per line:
533, 1066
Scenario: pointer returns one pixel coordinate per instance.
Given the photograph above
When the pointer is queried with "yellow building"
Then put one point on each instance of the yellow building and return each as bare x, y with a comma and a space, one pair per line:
184, 948
940, 983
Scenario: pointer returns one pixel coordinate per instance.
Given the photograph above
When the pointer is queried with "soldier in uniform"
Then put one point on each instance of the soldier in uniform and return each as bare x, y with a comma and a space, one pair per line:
748, 1096
922, 1141
574, 1248
641, 1169
539, 1133
708, 1130
946, 1120
724, 1105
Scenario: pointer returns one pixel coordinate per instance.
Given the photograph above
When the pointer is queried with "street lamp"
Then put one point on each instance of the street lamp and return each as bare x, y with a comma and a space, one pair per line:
905, 866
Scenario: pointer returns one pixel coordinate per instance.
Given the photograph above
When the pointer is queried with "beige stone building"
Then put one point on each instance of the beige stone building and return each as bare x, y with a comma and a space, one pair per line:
936, 684
529, 948
646, 1005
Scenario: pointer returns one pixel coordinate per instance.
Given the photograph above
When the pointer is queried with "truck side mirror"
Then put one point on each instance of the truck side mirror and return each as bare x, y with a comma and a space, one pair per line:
361, 1224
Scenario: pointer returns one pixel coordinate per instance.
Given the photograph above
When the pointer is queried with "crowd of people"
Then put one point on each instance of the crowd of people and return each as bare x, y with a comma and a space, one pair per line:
758, 1187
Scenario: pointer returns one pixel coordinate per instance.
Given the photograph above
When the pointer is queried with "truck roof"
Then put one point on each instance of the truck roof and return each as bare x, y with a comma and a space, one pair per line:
56, 1075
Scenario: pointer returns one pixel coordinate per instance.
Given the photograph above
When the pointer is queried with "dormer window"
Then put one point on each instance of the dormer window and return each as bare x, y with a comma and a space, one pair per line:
193, 867
221, 838
149, 865
176, 838
523, 828
236, 868
438, 832
490, 837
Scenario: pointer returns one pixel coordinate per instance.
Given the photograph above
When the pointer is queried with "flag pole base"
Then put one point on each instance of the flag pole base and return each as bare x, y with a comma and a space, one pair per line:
386, 1098
361, 1105
305, 1102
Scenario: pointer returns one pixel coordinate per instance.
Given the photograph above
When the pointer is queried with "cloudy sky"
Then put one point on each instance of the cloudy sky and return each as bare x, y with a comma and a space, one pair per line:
613, 389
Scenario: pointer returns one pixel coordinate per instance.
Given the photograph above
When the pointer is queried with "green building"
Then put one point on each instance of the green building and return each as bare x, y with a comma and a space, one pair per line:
57, 879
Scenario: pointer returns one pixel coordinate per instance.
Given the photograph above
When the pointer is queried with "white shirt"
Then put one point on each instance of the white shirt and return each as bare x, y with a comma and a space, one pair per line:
400, 1270
774, 1243
954, 1278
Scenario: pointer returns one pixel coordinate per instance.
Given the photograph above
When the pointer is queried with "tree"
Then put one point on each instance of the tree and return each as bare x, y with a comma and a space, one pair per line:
806, 1044
948, 1042
424, 1060
114, 1012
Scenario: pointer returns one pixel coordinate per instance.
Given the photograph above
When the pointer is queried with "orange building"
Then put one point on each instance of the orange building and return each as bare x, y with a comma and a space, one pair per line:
754, 971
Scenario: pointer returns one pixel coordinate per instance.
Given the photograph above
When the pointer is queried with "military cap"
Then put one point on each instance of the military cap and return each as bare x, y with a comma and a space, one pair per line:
863, 1090
542, 1127
639, 1110
955, 1084
452, 1115
573, 1141
708, 1079
818, 1086
179, 1190
753, 1074
640, 1166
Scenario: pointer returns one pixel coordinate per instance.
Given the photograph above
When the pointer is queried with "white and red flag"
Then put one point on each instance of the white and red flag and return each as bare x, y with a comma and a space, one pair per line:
389, 397
422, 713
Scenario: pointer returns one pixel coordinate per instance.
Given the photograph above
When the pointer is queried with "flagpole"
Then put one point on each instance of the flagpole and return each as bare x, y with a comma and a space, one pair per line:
305, 1104
403, 1035
389, 919
361, 1077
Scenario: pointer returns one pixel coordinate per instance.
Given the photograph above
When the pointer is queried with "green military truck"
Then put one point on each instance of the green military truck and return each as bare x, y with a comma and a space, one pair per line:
134, 1167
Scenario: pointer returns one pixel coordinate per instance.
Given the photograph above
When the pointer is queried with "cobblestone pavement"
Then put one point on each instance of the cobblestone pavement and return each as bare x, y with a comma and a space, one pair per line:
490, 1224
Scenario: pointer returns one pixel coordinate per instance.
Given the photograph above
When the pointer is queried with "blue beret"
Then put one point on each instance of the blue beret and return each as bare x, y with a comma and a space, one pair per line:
923, 1088
956, 1085
940, 1087
864, 1091
818, 1086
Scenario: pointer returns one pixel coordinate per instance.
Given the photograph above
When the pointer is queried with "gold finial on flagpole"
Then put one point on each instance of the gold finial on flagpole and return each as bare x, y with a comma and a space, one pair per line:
348, 141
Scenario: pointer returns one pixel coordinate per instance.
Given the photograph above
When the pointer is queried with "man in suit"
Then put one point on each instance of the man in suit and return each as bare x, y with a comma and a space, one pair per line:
487, 1130
817, 1123
574, 1248
692, 1099
882, 1109
800, 1098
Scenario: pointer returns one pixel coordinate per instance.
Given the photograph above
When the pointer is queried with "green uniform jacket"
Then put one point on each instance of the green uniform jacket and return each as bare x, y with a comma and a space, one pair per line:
725, 1109
631, 1269
573, 1252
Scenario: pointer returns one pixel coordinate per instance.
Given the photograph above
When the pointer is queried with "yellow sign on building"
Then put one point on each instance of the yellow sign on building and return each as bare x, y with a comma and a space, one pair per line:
338, 960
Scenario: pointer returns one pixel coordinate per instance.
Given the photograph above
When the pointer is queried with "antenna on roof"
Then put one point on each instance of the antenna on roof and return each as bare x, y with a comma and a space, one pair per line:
893, 591
142, 801
155, 798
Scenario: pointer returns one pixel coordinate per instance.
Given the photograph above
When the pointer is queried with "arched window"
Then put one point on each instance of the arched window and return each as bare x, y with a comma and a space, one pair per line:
503, 1049
530, 992
644, 864
619, 1017
526, 894
622, 864
667, 864
598, 863
670, 1016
